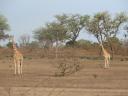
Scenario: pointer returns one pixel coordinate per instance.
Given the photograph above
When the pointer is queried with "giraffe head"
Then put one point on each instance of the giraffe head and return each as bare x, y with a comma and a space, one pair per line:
11, 38
100, 44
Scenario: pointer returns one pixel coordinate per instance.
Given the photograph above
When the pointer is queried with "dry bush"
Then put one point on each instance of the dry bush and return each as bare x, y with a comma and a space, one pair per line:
67, 65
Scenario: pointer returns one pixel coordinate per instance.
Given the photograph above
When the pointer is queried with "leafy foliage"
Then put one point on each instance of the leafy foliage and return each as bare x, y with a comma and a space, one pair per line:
4, 26
51, 33
103, 26
74, 24
84, 43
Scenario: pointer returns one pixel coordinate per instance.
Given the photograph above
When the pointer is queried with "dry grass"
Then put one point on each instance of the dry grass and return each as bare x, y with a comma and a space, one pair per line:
39, 72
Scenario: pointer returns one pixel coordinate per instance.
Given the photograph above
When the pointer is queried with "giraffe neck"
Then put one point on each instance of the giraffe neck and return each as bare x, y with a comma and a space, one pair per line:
14, 46
102, 48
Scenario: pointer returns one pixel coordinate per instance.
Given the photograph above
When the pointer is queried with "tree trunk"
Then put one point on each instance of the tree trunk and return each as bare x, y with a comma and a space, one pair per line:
112, 50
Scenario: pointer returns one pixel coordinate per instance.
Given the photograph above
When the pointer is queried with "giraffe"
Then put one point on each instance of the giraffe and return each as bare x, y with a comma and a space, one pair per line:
106, 56
17, 57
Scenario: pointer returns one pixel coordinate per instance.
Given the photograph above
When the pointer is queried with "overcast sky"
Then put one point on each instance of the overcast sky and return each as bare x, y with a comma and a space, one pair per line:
24, 16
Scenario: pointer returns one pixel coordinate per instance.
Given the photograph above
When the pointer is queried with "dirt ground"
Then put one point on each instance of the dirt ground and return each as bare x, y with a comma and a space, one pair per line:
39, 79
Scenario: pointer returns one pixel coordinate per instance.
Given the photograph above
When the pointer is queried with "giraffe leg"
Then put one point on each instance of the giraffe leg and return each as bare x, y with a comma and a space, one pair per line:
15, 67
21, 66
18, 67
105, 63
108, 62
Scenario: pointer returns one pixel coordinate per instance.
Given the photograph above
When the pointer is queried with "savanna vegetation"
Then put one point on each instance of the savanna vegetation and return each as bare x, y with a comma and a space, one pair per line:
56, 60
64, 31
59, 39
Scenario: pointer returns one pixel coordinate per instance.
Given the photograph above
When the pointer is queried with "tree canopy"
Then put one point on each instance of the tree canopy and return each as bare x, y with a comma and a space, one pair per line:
103, 26
4, 26
74, 24
51, 33
67, 27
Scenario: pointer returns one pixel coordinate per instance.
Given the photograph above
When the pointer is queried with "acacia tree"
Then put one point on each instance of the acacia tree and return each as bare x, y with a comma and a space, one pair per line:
103, 26
44, 37
4, 26
51, 33
125, 41
126, 29
74, 24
